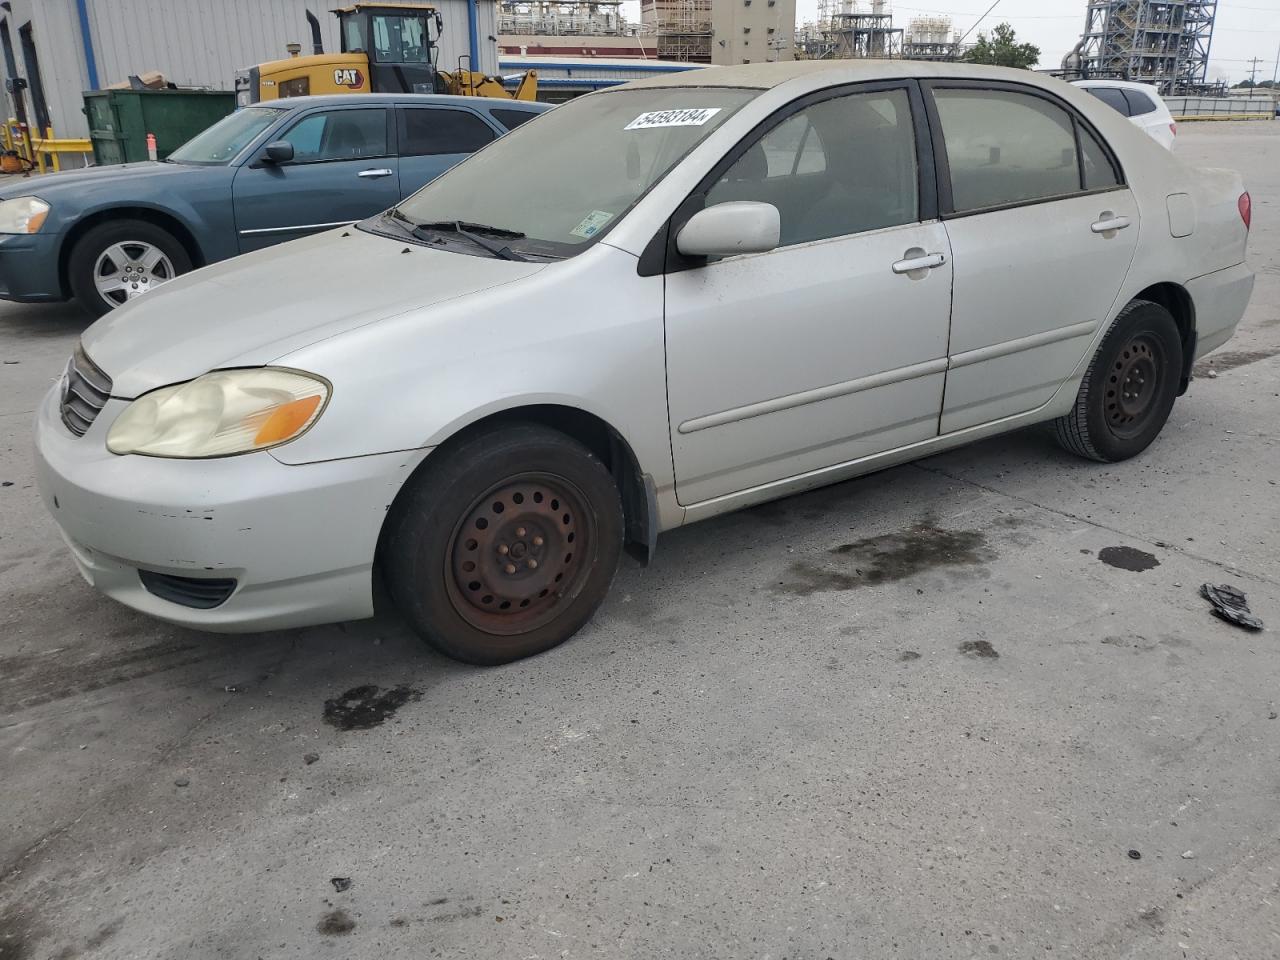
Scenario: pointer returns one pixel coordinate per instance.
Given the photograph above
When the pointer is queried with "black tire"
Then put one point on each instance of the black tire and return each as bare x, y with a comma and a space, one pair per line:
134, 236
1129, 388
505, 544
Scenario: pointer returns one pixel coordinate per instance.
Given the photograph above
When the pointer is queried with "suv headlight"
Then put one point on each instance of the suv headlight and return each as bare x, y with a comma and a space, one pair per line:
22, 215
221, 414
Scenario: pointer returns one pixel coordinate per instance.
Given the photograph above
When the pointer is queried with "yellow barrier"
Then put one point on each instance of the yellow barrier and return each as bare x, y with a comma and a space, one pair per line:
37, 152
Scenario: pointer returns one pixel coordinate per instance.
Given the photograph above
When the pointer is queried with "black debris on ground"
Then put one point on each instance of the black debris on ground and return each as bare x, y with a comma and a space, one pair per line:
341, 884
1231, 605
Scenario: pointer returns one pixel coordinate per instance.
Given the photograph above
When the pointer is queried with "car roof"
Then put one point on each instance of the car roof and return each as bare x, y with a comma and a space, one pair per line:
1118, 84
820, 73
351, 99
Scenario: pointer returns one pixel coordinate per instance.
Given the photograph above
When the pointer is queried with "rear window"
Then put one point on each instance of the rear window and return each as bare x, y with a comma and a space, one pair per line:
512, 118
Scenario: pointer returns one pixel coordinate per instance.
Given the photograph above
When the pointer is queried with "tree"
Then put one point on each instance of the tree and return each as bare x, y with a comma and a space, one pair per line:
1002, 49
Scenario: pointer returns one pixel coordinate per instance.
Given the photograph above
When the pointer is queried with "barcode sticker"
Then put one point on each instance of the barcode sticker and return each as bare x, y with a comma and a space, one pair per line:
684, 117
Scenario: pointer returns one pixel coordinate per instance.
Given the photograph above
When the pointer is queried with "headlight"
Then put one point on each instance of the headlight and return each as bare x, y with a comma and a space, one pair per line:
222, 413
22, 215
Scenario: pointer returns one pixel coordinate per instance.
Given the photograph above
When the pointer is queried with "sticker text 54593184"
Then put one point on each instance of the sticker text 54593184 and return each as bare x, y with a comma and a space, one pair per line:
685, 117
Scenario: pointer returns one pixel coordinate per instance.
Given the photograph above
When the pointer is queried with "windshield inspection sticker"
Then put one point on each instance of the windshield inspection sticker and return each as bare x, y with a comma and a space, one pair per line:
688, 117
591, 224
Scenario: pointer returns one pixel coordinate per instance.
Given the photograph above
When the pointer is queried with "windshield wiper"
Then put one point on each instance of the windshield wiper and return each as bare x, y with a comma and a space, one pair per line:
465, 229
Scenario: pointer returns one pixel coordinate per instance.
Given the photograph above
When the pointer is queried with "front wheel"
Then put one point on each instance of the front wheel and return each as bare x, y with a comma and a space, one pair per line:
1128, 391
504, 547
117, 261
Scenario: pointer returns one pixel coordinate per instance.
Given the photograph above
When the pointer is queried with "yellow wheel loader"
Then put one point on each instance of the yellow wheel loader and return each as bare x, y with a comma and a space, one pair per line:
386, 48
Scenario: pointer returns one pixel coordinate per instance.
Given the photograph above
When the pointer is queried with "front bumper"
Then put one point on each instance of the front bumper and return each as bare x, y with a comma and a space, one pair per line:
29, 267
298, 540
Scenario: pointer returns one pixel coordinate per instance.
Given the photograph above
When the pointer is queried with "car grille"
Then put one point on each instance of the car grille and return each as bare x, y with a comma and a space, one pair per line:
84, 393
202, 593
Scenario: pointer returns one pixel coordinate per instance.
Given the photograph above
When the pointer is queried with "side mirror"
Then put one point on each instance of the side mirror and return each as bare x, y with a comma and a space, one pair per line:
730, 228
278, 151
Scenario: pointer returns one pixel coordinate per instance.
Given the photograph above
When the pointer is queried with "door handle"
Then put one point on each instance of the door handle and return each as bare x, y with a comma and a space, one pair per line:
378, 172
1109, 223
919, 260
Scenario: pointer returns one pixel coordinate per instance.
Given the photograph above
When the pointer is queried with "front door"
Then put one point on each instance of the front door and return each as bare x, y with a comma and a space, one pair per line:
343, 169
833, 346
1042, 232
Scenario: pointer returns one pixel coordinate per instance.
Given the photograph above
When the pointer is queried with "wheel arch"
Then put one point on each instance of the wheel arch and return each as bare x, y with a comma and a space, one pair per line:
1175, 298
159, 218
636, 488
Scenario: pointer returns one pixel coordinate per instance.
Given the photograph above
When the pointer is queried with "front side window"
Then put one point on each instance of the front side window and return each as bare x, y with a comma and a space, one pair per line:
1005, 148
339, 135
226, 138
400, 39
425, 131
512, 118
841, 166
564, 180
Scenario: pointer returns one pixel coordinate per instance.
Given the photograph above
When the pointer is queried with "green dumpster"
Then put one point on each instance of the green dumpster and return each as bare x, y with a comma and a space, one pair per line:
119, 120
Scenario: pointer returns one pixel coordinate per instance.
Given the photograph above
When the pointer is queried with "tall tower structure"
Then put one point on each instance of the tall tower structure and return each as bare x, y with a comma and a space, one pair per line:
1162, 42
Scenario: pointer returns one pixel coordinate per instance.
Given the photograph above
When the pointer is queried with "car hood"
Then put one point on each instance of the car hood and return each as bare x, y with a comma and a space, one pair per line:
52, 184
255, 309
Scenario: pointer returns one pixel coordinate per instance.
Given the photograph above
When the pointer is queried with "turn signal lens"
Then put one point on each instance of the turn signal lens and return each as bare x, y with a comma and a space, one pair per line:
1245, 203
286, 421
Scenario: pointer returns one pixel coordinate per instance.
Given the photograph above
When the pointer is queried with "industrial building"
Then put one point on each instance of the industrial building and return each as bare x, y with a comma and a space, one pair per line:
846, 29
1161, 42
61, 48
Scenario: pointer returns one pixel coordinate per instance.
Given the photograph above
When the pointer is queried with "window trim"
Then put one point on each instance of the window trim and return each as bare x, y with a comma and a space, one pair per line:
390, 154
493, 125
660, 255
946, 203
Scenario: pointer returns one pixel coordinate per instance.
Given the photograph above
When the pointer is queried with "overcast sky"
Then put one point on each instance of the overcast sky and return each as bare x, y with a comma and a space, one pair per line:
1243, 30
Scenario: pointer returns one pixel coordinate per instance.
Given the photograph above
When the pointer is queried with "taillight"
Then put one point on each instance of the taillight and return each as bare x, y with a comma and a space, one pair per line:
1173, 128
1246, 209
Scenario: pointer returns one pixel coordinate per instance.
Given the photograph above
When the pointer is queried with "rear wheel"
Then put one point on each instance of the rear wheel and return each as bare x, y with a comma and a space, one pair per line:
505, 546
119, 260
1129, 388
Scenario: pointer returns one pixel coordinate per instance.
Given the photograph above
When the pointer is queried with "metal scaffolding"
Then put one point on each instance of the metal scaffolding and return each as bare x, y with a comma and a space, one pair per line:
561, 18
930, 38
1161, 42
846, 32
682, 28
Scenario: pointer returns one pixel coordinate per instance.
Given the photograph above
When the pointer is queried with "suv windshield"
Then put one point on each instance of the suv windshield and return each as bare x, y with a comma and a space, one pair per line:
561, 181
226, 138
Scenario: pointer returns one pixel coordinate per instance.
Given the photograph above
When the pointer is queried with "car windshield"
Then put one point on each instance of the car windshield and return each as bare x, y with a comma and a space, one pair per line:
560, 182
226, 138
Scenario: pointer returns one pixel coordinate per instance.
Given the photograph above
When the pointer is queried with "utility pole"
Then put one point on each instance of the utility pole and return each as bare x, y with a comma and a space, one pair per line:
1253, 73
1275, 74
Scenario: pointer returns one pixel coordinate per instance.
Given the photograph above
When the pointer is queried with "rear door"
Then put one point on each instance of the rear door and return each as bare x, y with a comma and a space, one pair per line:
1042, 229
434, 138
343, 169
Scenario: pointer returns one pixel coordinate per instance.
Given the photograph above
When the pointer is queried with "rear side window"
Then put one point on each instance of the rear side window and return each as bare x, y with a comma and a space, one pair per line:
1139, 103
1005, 148
426, 130
1113, 98
512, 118
1099, 172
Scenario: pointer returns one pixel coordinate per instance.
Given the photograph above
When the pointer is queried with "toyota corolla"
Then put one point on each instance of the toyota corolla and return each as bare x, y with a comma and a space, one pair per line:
652, 305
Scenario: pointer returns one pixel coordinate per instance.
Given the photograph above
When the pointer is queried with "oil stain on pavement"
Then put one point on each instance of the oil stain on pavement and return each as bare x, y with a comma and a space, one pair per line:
362, 708
336, 923
888, 558
979, 648
1128, 558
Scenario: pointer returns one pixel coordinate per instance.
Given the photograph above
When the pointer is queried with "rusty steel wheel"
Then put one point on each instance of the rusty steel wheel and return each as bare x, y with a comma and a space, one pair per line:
1129, 388
513, 557
1133, 385
518, 569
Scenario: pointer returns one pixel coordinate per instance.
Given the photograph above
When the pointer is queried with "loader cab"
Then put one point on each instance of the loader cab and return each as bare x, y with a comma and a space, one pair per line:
399, 40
